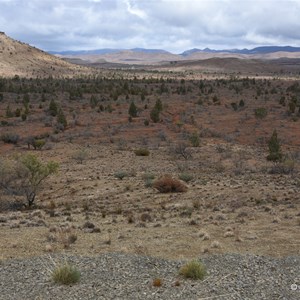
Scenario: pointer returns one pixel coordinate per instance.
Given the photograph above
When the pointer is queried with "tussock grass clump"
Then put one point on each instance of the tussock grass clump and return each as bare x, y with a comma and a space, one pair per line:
121, 174
186, 177
65, 273
148, 178
193, 270
167, 184
142, 152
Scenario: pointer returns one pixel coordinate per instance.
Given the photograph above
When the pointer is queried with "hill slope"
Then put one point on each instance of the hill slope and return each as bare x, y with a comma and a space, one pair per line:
17, 58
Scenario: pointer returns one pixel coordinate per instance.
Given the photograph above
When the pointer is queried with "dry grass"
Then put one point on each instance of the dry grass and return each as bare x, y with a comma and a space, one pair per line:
167, 184
193, 270
65, 273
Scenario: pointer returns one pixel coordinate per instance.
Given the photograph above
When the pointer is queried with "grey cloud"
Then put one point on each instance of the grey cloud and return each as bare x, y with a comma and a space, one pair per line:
174, 25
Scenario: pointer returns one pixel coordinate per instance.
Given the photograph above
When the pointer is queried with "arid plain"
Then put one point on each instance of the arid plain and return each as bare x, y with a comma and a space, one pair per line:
211, 132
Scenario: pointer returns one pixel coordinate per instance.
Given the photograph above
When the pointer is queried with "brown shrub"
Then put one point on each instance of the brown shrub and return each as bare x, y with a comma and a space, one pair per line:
167, 184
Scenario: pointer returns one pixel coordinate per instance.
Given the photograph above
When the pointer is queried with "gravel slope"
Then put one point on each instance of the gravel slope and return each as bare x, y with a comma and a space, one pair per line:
127, 276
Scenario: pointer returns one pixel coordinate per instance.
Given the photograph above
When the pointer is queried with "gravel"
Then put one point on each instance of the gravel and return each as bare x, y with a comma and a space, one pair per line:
129, 276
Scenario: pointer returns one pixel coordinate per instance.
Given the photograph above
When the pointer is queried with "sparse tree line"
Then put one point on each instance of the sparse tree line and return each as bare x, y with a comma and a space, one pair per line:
148, 97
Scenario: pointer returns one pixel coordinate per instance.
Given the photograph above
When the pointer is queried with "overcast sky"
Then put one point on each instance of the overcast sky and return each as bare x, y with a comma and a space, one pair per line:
173, 25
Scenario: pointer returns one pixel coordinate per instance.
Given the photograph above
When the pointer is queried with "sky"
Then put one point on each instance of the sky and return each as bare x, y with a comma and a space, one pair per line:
172, 25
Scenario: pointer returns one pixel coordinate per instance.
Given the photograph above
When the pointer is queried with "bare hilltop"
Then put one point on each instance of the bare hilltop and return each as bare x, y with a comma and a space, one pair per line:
17, 58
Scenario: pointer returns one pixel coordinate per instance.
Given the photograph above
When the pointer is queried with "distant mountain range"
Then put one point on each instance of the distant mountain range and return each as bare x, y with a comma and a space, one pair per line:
107, 51
257, 50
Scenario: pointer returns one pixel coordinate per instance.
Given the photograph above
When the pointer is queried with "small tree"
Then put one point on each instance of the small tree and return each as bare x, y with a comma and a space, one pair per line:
24, 176
53, 108
158, 105
132, 110
194, 139
275, 153
154, 115
61, 119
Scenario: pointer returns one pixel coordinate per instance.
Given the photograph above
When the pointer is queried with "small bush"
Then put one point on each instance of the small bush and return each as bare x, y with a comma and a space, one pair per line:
260, 112
39, 144
80, 155
181, 149
287, 166
157, 282
10, 138
142, 152
148, 179
193, 270
167, 184
65, 274
194, 139
275, 153
121, 174
185, 177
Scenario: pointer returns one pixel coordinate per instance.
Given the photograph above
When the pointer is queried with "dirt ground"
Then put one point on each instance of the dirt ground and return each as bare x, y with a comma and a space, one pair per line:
236, 200
232, 204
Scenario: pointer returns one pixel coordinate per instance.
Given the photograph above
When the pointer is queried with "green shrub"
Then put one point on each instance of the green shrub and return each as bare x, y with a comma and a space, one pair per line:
185, 177
260, 112
65, 274
53, 108
25, 176
39, 144
80, 155
194, 139
193, 270
121, 174
287, 166
61, 119
132, 111
275, 153
154, 115
10, 138
142, 152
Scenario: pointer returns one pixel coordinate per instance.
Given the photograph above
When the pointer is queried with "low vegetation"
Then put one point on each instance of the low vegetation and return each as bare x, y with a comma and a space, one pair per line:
193, 270
65, 273
24, 176
167, 184
142, 152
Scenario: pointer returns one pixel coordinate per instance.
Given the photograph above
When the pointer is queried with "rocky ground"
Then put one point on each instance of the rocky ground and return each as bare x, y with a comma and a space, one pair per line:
88, 213
125, 276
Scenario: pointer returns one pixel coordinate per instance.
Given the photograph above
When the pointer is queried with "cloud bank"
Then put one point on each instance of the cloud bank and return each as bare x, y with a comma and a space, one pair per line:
174, 25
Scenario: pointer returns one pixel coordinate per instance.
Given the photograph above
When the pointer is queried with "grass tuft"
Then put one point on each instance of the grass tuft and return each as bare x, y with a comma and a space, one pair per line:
65, 273
193, 270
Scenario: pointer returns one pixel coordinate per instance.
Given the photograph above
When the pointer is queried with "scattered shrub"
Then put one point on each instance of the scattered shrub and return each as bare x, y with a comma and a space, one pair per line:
185, 177
194, 139
287, 166
181, 149
193, 270
167, 184
121, 174
142, 152
65, 274
275, 153
154, 115
25, 176
38, 143
260, 112
80, 155
10, 138
132, 111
